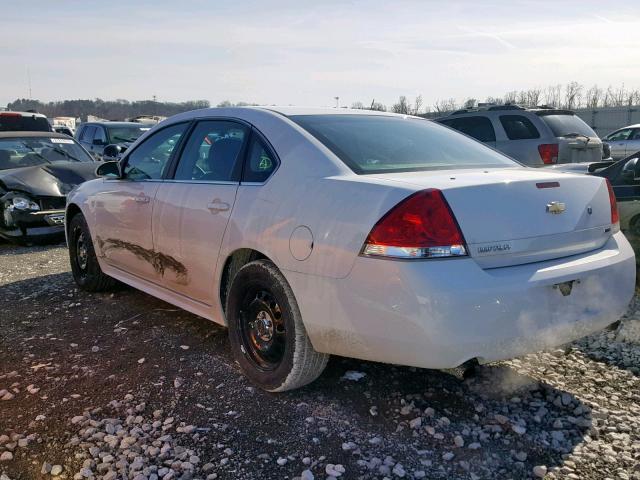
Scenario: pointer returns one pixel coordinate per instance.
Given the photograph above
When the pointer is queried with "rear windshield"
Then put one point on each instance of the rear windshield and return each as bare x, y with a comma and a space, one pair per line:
126, 134
567, 125
16, 122
380, 144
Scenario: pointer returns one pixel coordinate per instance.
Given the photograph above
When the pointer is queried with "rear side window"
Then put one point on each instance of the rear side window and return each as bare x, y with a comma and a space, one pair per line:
563, 125
479, 128
380, 144
16, 122
211, 152
260, 162
518, 127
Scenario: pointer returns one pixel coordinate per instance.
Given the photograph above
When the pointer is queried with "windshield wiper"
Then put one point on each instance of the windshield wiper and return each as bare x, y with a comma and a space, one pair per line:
66, 154
32, 150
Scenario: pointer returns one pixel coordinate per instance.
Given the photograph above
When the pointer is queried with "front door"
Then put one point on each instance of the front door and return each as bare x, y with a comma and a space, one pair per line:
123, 225
193, 209
618, 143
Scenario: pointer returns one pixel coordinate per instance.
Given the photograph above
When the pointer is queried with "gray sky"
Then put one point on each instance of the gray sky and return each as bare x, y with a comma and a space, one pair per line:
306, 53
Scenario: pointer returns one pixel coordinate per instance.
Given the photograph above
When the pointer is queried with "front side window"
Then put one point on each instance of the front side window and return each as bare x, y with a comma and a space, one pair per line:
518, 127
212, 151
87, 134
29, 151
619, 136
100, 136
260, 162
479, 128
380, 144
150, 159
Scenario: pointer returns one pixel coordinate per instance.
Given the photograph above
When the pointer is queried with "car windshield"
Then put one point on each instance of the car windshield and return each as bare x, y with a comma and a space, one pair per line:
30, 151
381, 144
126, 134
564, 125
16, 122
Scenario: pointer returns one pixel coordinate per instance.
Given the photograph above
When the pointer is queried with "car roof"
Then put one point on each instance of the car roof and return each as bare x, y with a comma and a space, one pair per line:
281, 110
24, 114
116, 124
32, 134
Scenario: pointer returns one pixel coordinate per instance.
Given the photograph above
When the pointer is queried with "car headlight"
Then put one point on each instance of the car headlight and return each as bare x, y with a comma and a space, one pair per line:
22, 203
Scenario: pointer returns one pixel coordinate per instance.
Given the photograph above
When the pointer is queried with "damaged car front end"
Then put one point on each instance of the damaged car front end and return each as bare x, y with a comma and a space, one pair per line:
37, 171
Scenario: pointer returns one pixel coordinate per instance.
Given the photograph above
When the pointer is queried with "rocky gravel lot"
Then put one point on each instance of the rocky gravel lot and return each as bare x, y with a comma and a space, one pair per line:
124, 386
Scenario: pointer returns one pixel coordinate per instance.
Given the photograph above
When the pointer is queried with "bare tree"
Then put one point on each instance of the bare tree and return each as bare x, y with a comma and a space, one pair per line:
510, 97
417, 105
494, 100
470, 103
633, 97
401, 107
593, 97
447, 105
534, 96
358, 105
377, 106
572, 95
552, 95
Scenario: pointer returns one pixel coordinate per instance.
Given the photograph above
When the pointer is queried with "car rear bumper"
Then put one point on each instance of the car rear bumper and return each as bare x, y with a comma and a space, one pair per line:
442, 313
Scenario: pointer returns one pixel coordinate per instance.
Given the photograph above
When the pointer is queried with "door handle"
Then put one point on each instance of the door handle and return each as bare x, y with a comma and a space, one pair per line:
218, 206
142, 199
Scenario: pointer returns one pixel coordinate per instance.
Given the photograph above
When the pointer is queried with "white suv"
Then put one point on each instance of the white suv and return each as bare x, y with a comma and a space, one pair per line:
535, 137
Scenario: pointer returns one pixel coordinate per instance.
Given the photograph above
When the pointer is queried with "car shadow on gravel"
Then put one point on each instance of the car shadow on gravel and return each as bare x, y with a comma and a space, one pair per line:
84, 350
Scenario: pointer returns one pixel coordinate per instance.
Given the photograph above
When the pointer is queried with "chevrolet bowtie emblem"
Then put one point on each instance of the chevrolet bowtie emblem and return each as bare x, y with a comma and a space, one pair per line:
556, 207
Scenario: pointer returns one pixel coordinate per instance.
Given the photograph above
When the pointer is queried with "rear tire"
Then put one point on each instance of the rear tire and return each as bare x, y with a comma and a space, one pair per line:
267, 336
85, 268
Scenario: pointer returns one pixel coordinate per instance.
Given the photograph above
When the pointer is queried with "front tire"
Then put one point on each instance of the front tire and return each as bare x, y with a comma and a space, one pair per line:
267, 336
85, 268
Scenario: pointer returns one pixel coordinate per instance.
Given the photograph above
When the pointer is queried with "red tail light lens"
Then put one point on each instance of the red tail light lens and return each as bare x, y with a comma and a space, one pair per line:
548, 153
420, 226
615, 216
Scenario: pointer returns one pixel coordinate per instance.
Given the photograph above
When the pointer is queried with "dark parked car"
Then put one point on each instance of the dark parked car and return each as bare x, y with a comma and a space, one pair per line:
37, 171
24, 122
95, 136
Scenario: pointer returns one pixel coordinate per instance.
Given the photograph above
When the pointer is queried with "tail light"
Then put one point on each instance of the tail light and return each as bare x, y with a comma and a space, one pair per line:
420, 226
615, 216
10, 114
548, 153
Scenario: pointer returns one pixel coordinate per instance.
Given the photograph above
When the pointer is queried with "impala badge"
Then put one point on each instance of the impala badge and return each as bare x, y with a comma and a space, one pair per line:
556, 207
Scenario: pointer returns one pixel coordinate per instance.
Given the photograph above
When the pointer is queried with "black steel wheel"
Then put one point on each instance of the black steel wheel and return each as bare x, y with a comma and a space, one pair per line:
85, 268
266, 332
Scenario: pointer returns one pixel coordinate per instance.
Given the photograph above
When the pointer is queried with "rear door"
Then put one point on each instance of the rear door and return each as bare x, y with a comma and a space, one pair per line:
521, 139
618, 142
478, 127
192, 209
123, 212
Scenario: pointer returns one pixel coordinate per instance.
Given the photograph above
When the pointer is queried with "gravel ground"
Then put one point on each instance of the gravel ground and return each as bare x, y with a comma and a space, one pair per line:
124, 386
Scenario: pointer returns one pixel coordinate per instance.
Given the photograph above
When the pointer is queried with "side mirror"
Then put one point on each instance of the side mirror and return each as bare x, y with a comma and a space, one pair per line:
631, 170
109, 170
112, 153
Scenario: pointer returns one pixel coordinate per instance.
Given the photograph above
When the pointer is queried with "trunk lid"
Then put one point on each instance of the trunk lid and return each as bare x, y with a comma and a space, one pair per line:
521, 215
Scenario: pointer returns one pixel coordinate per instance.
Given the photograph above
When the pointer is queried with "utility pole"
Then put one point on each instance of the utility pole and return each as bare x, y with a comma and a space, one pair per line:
29, 82
337, 99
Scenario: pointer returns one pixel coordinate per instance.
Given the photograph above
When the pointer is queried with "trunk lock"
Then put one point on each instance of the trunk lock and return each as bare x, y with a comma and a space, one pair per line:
565, 287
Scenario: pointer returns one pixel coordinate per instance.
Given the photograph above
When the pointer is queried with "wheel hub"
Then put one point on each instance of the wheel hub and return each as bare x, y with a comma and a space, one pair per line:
263, 329
82, 255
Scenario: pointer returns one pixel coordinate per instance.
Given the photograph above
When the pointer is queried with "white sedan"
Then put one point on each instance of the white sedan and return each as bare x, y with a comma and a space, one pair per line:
311, 232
